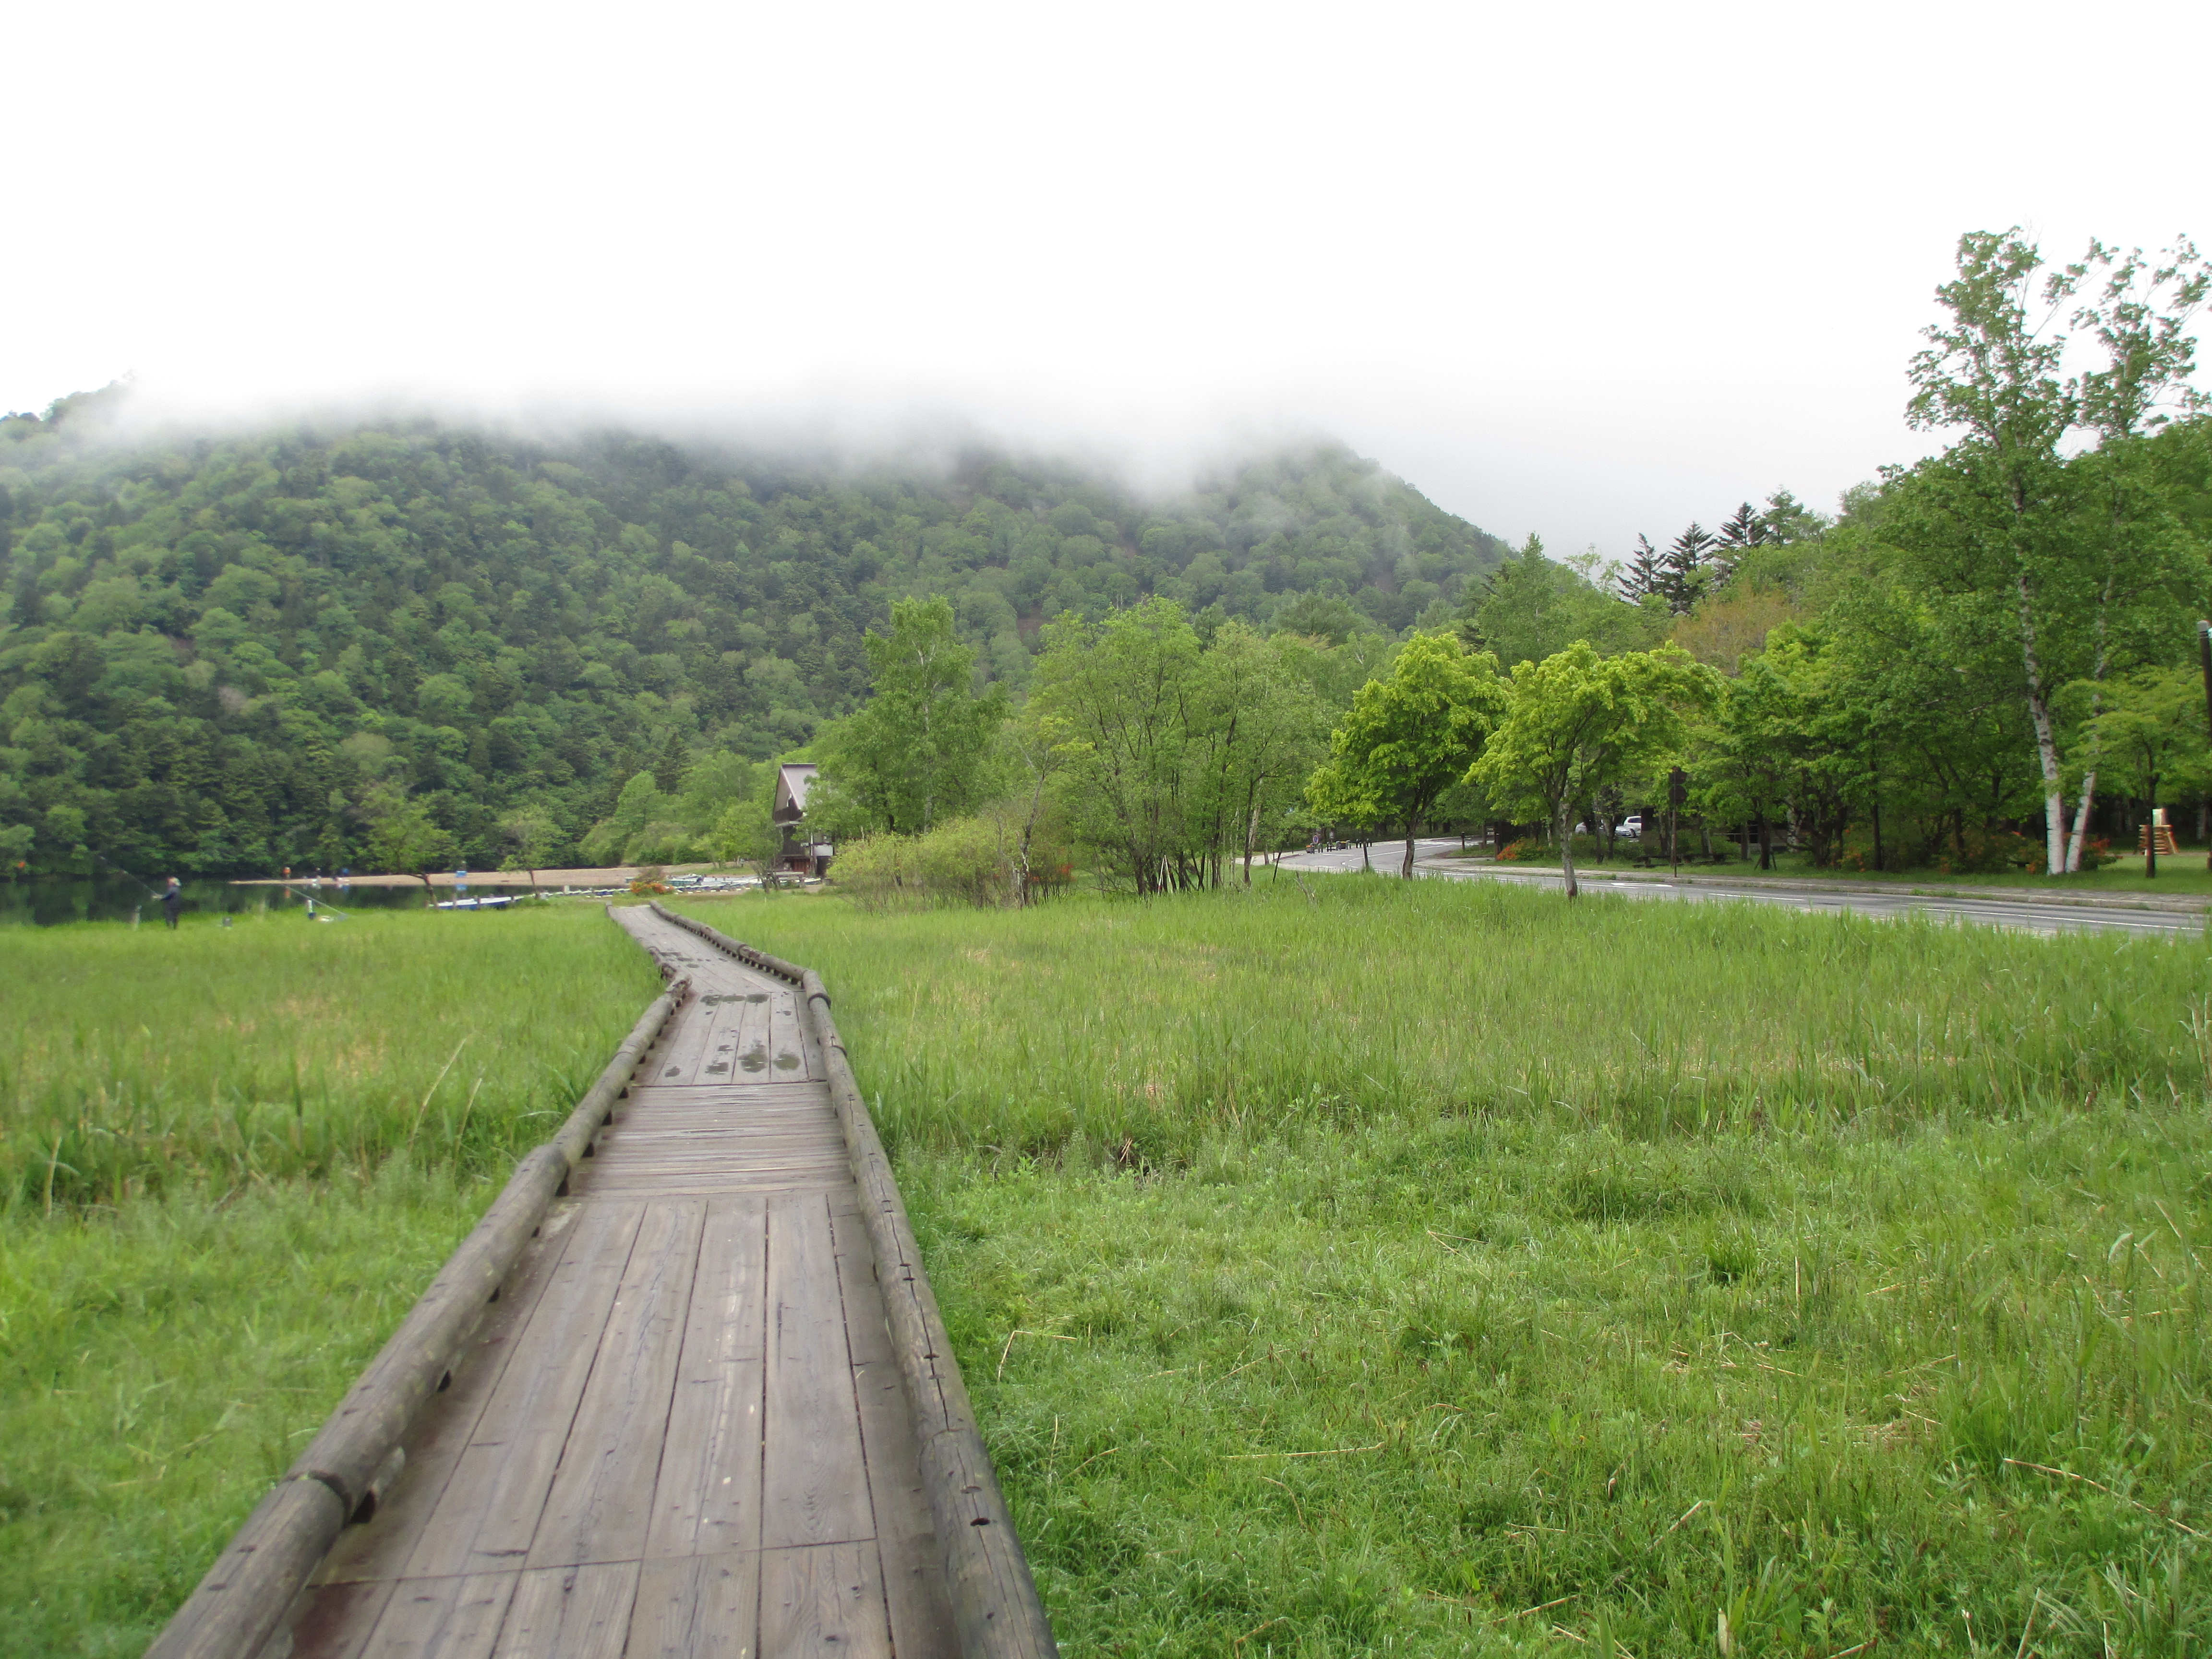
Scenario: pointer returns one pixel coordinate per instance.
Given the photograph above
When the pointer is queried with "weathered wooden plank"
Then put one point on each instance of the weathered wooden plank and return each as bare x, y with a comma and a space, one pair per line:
921, 1611
646, 1183
442, 1617
489, 1510
912, 1564
707, 1497
867, 1338
334, 1621
813, 1475
689, 1135
804, 1179
699, 1607
823, 1600
704, 1169
570, 1612
735, 1149
787, 1050
993, 1597
379, 1549
676, 1059
602, 1495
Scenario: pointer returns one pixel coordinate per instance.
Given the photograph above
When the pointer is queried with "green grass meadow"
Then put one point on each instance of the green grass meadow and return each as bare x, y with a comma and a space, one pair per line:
1436, 1268
1426, 1267
230, 1159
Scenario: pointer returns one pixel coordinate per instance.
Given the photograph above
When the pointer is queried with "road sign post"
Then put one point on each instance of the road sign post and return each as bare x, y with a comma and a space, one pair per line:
1678, 791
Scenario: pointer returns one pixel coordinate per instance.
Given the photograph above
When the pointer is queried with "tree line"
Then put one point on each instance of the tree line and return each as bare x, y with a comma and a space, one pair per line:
1982, 661
389, 642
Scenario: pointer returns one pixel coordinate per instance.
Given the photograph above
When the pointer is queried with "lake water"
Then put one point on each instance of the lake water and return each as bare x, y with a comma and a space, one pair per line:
48, 901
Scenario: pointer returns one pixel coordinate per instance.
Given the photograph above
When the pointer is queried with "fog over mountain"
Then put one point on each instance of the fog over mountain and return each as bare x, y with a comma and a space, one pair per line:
1587, 272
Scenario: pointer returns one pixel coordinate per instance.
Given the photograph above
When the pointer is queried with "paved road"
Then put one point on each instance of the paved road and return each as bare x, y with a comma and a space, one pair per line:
1429, 859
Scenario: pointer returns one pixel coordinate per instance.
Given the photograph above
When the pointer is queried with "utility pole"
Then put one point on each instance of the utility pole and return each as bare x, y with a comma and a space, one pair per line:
1678, 791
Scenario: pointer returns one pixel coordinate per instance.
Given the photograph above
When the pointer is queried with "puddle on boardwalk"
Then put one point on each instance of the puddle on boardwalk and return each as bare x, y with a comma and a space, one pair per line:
720, 1068
754, 1059
787, 1062
719, 998
757, 996
672, 1070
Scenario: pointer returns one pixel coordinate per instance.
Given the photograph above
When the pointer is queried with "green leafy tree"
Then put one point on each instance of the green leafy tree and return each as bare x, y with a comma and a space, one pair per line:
2151, 732
1792, 737
712, 784
1328, 617
403, 839
639, 805
534, 838
1410, 737
1255, 726
1121, 694
914, 753
1532, 606
1578, 723
2000, 527
745, 833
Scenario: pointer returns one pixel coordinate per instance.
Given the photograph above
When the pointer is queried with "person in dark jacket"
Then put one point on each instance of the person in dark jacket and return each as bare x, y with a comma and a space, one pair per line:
172, 899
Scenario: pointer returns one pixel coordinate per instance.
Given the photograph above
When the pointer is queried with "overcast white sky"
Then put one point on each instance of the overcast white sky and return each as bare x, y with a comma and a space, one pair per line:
1585, 269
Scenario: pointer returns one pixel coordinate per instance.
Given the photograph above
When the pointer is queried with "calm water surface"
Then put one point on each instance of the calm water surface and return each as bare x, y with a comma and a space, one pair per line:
48, 901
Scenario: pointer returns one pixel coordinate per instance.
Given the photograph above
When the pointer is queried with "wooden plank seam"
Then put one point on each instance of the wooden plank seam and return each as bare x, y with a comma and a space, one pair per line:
241, 1602
995, 1605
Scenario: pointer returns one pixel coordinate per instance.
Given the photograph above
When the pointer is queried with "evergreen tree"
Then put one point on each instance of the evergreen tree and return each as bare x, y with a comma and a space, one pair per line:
1682, 574
1644, 574
1743, 530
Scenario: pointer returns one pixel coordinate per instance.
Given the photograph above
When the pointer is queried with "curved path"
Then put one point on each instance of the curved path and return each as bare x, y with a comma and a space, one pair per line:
682, 1432
2062, 915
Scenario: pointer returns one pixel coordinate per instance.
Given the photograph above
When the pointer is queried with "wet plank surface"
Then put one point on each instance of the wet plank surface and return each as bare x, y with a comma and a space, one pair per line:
680, 1433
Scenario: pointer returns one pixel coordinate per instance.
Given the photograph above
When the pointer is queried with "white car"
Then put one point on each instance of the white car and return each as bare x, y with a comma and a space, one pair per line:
1631, 828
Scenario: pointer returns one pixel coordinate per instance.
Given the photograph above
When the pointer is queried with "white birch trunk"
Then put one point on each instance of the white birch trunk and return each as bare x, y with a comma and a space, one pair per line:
2046, 738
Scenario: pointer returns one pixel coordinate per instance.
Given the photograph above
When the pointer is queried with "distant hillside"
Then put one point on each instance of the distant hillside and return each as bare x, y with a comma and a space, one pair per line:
210, 649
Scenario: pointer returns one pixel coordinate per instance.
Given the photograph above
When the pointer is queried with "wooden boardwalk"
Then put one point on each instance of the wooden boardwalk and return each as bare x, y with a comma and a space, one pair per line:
681, 1431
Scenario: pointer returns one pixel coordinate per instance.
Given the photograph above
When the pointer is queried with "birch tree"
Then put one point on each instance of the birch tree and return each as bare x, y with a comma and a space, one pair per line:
914, 753
2003, 525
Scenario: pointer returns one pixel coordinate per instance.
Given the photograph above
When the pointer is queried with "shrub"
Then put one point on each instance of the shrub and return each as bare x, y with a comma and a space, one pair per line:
1989, 852
974, 861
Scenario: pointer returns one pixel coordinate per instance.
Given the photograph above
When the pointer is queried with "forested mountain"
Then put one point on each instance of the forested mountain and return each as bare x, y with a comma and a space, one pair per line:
222, 655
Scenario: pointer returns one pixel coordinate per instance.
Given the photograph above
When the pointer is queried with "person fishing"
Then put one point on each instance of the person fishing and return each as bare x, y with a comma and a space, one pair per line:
172, 899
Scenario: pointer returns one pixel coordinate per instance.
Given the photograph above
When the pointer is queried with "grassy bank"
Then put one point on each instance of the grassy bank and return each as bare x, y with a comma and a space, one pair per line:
1444, 1270
232, 1158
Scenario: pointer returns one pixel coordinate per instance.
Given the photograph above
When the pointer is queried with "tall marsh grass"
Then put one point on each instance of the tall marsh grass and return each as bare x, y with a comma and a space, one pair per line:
133, 1059
1142, 1029
1422, 1270
230, 1159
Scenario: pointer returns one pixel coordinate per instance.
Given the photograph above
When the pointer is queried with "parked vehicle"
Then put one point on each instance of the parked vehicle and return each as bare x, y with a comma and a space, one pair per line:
1631, 828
